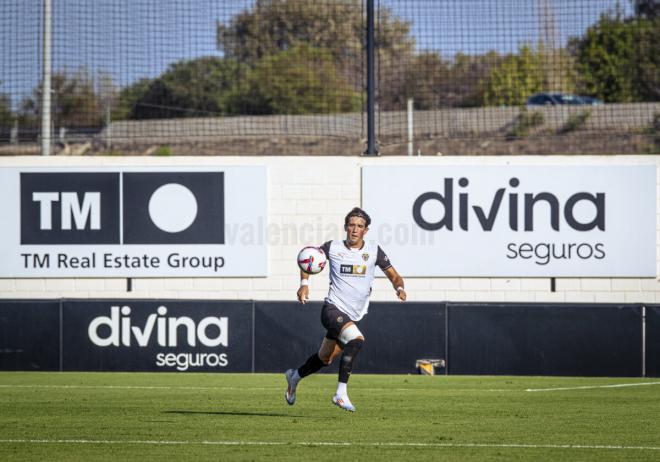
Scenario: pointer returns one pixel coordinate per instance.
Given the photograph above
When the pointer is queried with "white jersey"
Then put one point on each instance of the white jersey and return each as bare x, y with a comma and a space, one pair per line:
351, 275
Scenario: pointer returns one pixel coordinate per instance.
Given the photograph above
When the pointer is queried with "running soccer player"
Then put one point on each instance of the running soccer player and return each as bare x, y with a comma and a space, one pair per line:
352, 266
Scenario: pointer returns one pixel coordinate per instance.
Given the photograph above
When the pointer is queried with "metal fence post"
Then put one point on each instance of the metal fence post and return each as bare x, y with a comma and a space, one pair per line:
372, 150
46, 84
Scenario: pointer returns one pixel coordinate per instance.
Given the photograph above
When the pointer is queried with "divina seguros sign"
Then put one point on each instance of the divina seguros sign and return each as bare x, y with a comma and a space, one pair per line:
144, 335
130, 222
508, 221
164, 331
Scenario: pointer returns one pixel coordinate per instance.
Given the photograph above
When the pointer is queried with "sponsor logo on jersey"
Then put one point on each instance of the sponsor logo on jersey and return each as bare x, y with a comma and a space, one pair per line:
356, 270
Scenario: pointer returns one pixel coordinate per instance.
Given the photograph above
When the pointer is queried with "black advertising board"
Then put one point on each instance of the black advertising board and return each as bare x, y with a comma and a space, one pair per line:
246, 336
537, 339
29, 335
397, 334
157, 335
286, 334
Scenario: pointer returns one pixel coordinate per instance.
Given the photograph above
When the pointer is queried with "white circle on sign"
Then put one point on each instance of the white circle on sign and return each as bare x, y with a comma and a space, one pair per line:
173, 207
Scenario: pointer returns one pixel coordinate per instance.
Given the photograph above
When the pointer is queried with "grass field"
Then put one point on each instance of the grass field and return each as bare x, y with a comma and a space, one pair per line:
113, 416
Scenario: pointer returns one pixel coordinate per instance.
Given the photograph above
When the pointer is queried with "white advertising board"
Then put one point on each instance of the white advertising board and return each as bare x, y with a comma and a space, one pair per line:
133, 222
515, 221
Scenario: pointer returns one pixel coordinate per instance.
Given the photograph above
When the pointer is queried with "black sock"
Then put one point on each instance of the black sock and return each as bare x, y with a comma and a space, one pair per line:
313, 364
351, 350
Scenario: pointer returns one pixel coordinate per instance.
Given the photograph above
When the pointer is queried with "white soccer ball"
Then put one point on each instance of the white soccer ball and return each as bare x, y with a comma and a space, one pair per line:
312, 260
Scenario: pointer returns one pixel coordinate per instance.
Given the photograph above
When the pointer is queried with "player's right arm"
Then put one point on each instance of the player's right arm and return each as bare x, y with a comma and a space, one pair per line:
303, 290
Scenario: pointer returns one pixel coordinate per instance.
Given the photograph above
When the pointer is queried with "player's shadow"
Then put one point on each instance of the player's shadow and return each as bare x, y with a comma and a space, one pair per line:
233, 413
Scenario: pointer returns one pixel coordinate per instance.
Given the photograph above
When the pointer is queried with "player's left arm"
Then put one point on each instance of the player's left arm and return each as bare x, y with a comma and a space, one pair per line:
383, 262
397, 282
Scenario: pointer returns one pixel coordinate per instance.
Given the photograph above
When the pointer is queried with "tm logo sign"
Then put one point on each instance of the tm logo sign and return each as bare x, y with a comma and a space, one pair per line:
122, 208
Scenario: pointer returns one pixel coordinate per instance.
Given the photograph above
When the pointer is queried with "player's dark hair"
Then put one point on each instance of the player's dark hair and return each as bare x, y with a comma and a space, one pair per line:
357, 212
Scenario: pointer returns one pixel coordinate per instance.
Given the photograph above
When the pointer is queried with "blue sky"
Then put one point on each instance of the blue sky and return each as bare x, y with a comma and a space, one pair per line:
131, 39
477, 26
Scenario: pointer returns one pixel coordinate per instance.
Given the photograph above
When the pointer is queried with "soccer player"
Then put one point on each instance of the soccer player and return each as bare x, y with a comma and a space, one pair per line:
352, 265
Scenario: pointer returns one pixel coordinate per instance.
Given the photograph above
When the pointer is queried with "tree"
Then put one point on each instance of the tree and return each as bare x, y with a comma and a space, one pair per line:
603, 59
647, 59
193, 88
129, 99
517, 77
274, 26
649, 9
301, 80
422, 79
6, 115
74, 101
466, 79
619, 58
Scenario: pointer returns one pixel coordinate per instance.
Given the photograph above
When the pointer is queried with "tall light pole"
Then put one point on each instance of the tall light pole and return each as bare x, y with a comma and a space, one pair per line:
45, 84
372, 150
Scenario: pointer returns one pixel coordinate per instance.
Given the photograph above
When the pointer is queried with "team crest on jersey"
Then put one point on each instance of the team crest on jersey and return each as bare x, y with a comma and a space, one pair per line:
340, 319
365, 256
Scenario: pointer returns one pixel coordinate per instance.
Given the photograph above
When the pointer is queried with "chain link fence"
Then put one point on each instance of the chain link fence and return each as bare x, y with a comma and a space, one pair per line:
288, 76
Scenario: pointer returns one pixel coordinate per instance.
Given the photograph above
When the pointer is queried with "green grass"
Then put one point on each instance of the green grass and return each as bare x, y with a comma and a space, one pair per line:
228, 417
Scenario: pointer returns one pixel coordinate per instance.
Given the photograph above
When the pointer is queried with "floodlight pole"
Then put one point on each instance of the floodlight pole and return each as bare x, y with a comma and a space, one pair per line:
45, 84
372, 150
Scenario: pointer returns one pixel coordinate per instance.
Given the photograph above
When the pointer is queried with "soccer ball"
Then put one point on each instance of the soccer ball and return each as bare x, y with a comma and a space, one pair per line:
311, 260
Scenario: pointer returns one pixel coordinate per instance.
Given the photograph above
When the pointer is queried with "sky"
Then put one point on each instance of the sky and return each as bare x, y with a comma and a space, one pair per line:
132, 39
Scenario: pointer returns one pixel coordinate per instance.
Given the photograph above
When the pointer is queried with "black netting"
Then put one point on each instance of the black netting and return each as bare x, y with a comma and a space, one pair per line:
288, 76
518, 76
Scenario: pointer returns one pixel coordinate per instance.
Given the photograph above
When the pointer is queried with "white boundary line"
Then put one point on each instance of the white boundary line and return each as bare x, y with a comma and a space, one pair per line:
591, 387
326, 443
129, 387
146, 387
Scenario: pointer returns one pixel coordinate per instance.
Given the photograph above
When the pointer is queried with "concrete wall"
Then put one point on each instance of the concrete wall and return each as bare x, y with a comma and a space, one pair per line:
440, 123
307, 201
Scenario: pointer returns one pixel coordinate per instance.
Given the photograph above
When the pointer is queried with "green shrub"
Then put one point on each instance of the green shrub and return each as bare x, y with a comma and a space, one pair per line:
655, 123
163, 151
575, 122
524, 123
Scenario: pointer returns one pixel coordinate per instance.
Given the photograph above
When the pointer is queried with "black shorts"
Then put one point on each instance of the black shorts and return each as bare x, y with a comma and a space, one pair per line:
334, 320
